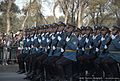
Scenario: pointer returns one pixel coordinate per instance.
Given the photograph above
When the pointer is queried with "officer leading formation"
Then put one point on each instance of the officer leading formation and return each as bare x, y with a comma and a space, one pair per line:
63, 52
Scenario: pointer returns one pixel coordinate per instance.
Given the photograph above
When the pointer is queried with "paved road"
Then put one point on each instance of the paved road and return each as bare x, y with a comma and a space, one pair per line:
8, 68
11, 77
8, 73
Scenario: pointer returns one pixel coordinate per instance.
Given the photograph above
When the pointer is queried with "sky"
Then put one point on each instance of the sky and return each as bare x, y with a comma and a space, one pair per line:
47, 7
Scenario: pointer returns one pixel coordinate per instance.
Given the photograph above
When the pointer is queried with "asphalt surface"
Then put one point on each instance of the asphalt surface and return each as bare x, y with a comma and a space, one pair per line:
8, 73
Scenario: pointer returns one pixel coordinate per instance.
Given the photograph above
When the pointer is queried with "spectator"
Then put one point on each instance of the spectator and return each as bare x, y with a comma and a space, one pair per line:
6, 50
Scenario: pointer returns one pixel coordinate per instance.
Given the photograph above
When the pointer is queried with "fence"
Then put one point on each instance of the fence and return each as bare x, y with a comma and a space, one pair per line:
12, 57
1, 54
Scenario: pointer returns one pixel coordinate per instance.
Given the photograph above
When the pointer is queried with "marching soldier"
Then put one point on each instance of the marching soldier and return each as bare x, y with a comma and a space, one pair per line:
81, 49
43, 51
25, 52
103, 53
95, 45
55, 51
33, 50
113, 48
88, 55
88, 43
69, 55
36, 52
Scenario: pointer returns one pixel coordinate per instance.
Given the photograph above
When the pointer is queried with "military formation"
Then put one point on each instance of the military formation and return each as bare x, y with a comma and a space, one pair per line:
63, 52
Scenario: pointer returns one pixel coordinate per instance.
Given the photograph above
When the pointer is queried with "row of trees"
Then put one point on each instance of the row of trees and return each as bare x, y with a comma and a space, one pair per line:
77, 12
85, 12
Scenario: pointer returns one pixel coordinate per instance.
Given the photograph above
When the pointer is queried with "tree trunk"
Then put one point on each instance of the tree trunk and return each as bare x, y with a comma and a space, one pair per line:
118, 21
54, 16
23, 24
66, 17
80, 13
73, 13
8, 16
118, 18
54, 13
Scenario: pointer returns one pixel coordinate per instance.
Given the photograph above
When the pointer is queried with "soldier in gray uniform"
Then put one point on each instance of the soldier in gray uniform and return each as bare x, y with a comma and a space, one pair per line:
43, 50
33, 50
55, 52
25, 52
64, 64
80, 53
114, 53
88, 55
102, 53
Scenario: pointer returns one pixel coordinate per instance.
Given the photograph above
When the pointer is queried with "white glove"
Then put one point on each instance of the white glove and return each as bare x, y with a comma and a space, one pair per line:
40, 46
90, 46
67, 39
53, 47
77, 48
48, 47
113, 36
39, 40
59, 38
43, 38
86, 40
105, 47
48, 40
29, 48
97, 49
28, 40
79, 38
58, 32
19, 48
53, 37
45, 49
73, 33
35, 37
32, 46
32, 39
36, 49
83, 49
26, 48
23, 38
62, 50
102, 39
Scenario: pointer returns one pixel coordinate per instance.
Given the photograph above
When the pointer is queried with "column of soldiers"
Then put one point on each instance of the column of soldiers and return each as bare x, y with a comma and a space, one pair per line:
60, 52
